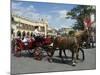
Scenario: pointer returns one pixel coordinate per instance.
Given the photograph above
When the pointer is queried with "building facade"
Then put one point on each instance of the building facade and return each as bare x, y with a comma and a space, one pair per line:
65, 30
21, 26
52, 31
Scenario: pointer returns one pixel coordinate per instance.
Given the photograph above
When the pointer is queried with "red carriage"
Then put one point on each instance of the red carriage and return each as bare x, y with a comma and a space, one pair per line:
20, 46
34, 46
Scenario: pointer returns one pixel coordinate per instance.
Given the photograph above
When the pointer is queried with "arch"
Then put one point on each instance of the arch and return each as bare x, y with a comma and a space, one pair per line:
28, 33
23, 33
31, 33
19, 33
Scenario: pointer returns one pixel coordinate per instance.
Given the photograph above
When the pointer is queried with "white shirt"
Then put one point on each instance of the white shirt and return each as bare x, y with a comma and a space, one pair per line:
36, 32
25, 40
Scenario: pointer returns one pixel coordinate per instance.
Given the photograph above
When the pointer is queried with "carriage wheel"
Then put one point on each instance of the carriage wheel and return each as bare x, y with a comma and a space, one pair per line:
17, 51
38, 53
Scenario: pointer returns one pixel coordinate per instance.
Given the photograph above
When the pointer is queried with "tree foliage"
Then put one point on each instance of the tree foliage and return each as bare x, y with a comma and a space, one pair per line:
79, 13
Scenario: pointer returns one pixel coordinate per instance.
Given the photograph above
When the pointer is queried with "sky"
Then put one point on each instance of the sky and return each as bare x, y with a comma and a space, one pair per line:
54, 13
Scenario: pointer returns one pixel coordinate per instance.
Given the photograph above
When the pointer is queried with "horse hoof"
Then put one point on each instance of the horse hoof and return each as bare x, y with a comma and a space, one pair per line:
74, 64
49, 60
63, 61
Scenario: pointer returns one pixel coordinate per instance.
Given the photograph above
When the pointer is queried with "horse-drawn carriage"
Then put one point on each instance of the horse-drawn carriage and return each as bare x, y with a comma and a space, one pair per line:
35, 47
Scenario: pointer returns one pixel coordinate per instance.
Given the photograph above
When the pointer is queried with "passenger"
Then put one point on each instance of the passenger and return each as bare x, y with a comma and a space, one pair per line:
25, 40
37, 34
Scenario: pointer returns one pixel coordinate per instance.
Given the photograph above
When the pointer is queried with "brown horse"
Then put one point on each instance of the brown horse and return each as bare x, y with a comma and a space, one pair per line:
64, 43
82, 36
72, 43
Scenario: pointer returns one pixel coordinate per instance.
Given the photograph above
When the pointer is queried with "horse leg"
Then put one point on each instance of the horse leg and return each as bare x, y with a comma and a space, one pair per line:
83, 58
77, 54
73, 59
64, 53
92, 44
60, 53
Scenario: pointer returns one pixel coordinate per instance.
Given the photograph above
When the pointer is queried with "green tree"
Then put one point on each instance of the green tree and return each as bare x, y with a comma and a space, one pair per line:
79, 13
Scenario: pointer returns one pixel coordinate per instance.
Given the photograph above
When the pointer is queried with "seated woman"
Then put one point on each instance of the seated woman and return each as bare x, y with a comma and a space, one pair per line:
25, 40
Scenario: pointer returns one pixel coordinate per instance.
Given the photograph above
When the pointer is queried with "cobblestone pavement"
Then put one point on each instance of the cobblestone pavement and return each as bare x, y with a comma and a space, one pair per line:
25, 64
